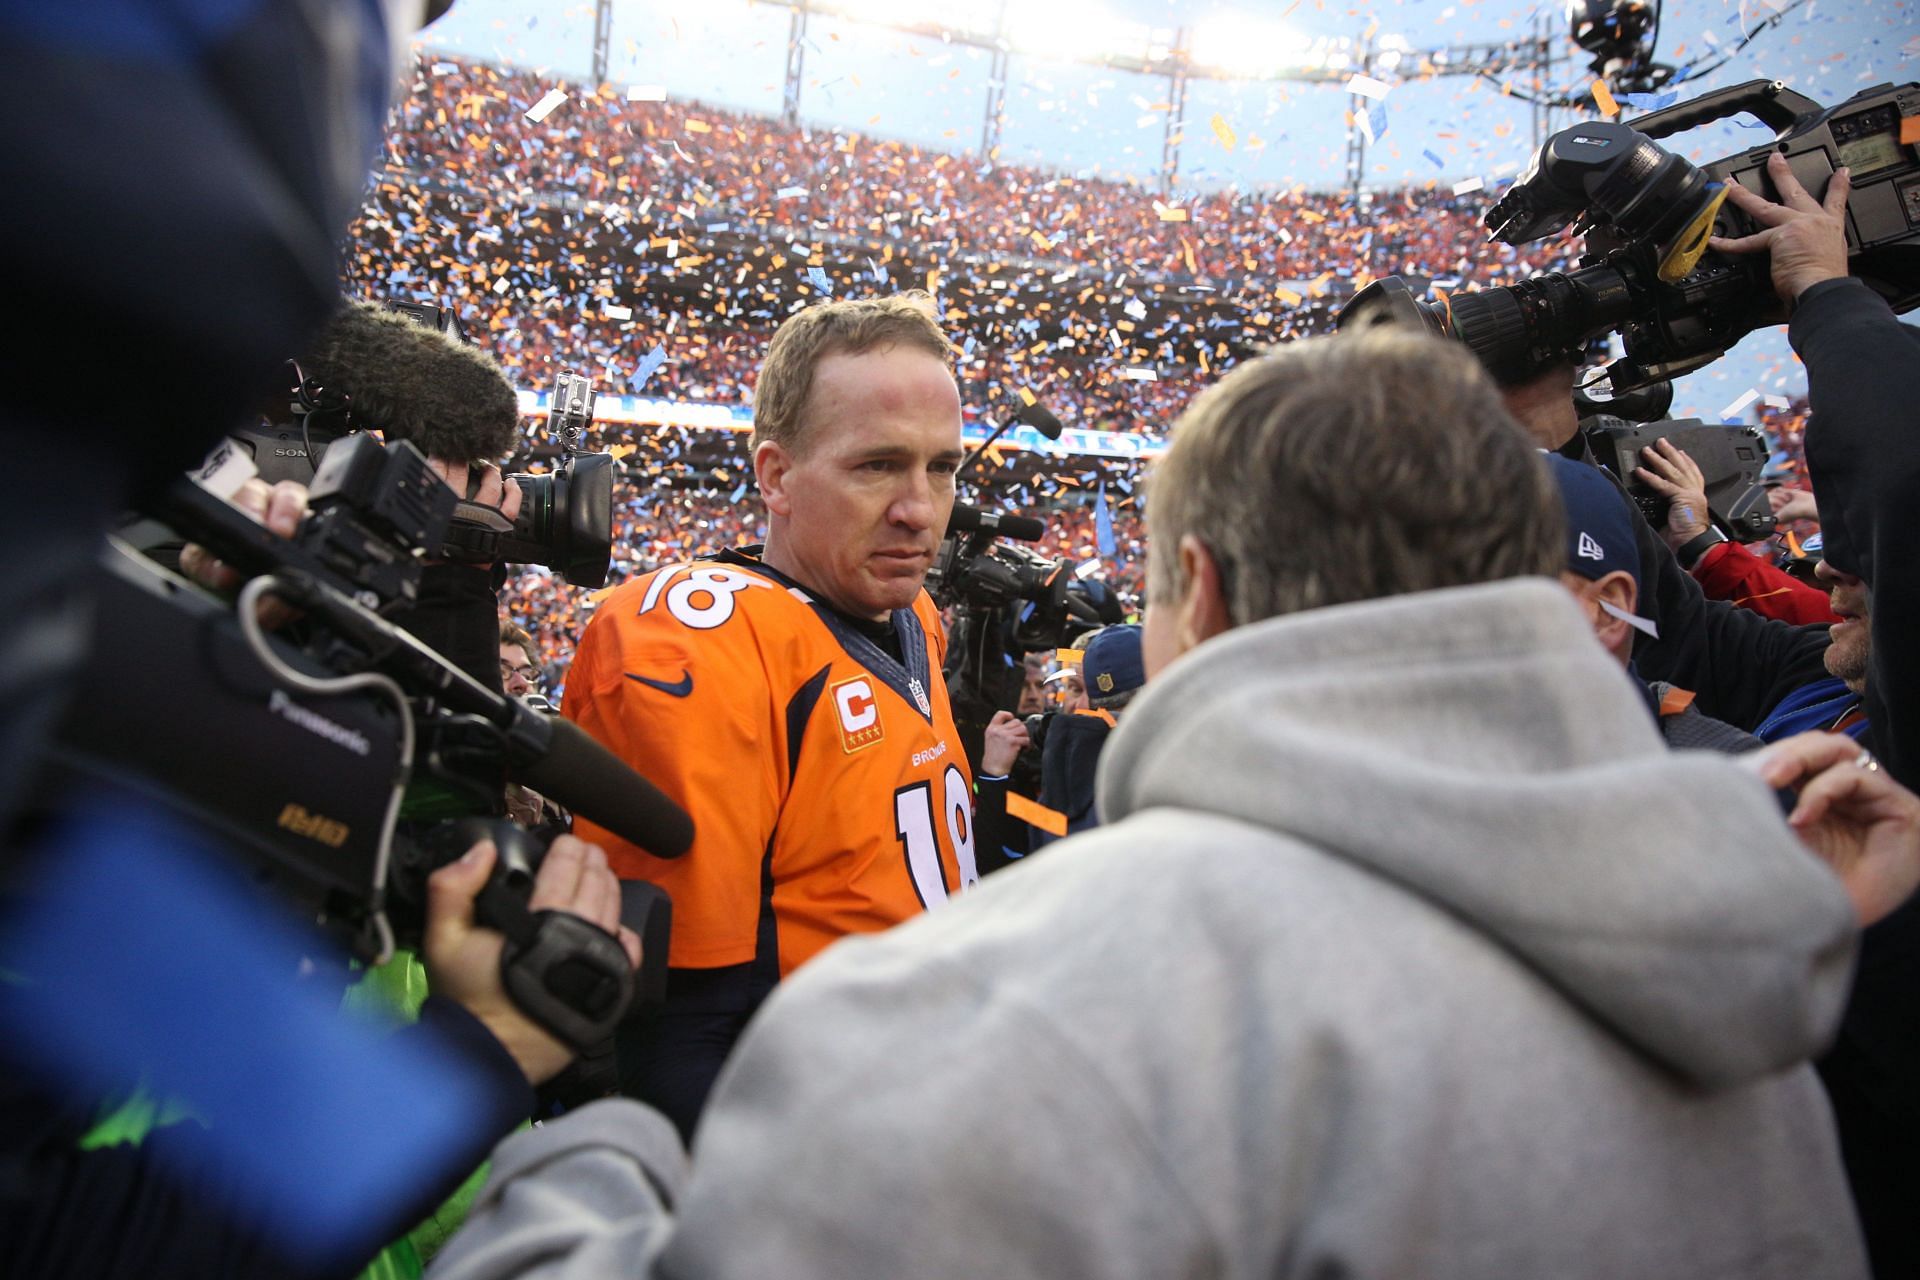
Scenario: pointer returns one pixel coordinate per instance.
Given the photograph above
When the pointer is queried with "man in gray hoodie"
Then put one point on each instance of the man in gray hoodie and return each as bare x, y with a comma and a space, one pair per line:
1407, 948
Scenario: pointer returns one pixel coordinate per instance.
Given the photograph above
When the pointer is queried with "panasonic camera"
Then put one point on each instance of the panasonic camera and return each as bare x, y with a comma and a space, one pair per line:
336, 754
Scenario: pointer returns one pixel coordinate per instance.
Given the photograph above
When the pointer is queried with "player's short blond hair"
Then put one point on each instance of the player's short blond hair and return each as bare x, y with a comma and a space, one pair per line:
834, 328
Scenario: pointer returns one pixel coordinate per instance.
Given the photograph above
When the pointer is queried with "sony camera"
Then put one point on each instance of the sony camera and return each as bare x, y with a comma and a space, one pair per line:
408, 370
1647, 214
566, 517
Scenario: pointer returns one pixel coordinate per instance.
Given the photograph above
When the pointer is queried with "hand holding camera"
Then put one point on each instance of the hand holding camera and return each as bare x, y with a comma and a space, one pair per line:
1807, 238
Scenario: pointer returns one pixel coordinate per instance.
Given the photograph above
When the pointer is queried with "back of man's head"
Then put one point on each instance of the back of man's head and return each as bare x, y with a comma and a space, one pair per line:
834, 328
1348, 468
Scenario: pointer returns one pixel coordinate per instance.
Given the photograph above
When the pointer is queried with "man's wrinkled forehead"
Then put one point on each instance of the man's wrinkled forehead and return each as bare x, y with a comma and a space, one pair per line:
863, 387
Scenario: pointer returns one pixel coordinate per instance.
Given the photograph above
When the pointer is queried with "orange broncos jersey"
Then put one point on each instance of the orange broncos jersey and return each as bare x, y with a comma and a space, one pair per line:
829, 791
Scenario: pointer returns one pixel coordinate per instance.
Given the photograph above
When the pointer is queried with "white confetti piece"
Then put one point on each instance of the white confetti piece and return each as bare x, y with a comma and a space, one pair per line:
445, 68
1368, 87
225, 470
1739, 406
646, 93
501, 285
1465, 185
544, 108
615, 311
1140, 375
790, 193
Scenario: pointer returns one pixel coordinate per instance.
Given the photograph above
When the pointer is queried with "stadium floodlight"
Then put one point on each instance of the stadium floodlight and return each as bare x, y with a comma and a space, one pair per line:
1073, 30
962, 17
1242, 45
1393, 50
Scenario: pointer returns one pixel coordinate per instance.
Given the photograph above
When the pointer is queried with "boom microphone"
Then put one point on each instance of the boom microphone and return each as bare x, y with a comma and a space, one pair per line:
1041, 419
552, 756
584, 776
416, 383
966, 518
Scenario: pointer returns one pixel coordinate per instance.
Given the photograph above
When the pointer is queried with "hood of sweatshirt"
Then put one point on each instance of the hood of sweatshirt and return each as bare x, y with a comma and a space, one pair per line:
1477, 747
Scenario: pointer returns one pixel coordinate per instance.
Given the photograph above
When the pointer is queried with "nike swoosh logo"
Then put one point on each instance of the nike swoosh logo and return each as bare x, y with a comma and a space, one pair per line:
679, 689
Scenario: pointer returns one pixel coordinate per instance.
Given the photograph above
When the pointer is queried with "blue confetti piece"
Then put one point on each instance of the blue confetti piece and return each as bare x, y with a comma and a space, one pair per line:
649, 364
739, 493
817, 277
1649, 101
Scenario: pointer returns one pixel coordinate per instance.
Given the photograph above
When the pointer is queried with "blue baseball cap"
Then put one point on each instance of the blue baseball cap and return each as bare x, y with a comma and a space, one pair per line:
1600, 535
1599, 528
1113, 667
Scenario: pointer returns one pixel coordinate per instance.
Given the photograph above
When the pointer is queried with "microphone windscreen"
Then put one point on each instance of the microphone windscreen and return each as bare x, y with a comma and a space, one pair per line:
416, 383
1041, 419
596, 784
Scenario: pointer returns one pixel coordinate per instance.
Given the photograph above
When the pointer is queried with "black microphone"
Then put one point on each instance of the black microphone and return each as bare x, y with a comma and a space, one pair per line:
590, 780
552, 756
1041, 419
966, 518
416, 383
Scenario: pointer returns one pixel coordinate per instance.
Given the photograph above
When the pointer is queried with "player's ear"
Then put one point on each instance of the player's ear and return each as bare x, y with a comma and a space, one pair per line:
771, 465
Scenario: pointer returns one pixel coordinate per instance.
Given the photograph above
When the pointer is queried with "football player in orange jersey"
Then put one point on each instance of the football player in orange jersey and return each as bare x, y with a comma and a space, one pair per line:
790, 697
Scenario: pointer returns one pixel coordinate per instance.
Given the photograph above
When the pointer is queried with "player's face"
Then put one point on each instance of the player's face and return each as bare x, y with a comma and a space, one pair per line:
858, 511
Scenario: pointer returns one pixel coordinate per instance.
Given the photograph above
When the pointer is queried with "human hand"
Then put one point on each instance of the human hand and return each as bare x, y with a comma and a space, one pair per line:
463, 959
1793, 504
1677, 478
490, 487
1851, 814
1807, 238
1006, 738
280, 507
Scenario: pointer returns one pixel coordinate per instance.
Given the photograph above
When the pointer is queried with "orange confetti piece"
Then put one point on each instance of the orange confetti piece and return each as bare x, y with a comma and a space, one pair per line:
698, 126
1223, 131
1035, 814
1027, 397
1603, 99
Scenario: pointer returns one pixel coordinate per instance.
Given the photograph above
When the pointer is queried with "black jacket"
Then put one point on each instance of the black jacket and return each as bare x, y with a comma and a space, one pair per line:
1863, 453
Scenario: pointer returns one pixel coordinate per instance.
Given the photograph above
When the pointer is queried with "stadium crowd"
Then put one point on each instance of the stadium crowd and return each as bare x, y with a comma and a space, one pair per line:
610, 229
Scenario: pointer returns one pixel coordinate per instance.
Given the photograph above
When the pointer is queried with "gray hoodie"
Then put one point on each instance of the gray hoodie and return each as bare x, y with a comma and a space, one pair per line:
1407, 950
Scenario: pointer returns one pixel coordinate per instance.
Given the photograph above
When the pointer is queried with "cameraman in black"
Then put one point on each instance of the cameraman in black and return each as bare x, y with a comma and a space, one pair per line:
1862, 384
1863, 456
1070, 743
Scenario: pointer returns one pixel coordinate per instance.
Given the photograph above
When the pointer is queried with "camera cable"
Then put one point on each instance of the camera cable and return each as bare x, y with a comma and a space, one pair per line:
247, 611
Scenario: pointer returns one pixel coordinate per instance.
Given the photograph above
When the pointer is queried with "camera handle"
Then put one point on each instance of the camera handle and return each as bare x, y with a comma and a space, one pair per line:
1768, 101
569, 976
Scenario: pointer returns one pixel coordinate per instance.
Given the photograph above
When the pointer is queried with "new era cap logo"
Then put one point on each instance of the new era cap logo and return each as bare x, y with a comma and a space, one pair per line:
1589, 549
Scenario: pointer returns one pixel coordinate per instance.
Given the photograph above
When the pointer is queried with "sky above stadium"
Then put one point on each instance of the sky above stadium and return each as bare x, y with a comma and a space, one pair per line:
1066, 115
